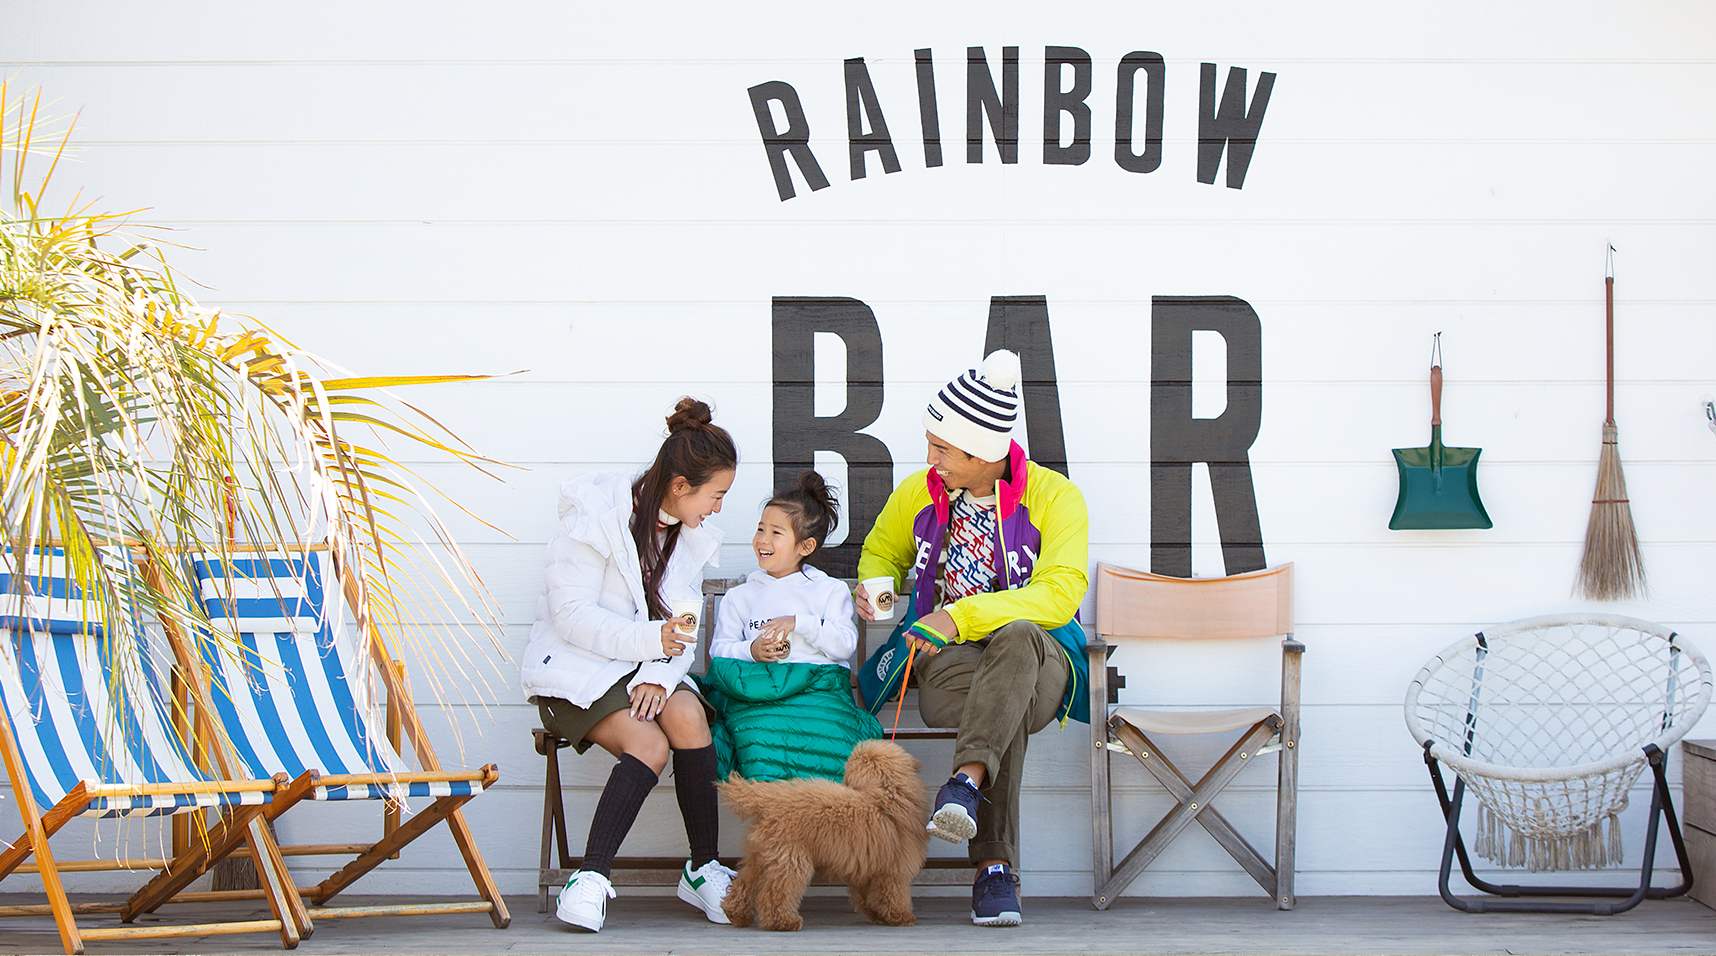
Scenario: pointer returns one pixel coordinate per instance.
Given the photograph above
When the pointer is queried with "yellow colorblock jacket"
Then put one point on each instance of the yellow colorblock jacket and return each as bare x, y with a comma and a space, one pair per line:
1041, 557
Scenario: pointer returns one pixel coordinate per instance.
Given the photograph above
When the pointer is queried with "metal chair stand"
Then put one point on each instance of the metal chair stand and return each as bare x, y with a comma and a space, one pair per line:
1661, 806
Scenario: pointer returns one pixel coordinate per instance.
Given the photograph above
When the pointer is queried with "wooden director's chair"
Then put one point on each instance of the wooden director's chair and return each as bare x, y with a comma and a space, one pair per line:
1139, 605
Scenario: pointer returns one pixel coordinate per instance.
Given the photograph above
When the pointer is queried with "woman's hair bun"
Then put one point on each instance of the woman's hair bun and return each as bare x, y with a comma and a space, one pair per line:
689, 413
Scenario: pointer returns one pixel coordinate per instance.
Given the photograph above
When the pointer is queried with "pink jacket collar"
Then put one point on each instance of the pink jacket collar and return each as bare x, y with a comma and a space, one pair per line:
1008, 494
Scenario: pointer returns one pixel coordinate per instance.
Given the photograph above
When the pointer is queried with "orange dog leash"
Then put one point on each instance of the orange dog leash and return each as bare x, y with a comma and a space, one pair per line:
910, 653
931, 635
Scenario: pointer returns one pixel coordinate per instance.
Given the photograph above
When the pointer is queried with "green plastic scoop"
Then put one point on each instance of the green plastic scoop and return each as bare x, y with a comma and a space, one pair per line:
1438, 484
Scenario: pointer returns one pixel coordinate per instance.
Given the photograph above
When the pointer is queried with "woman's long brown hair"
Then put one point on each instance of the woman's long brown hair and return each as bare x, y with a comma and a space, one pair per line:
696, 449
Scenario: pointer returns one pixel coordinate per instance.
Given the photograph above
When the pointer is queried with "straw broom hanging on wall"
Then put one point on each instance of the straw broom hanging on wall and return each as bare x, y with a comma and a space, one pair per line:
1611, 569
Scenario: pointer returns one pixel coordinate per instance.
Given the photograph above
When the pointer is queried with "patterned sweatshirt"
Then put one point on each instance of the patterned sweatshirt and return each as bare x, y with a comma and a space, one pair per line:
823, 629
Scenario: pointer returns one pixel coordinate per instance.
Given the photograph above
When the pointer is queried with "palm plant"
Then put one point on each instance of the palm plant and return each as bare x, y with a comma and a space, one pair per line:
135, 424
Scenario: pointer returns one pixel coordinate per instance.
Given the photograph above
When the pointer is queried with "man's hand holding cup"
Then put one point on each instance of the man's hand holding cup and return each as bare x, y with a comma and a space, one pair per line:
875, 598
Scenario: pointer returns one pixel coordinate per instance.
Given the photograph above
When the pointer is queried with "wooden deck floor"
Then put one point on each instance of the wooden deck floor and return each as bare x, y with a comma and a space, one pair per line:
643, 924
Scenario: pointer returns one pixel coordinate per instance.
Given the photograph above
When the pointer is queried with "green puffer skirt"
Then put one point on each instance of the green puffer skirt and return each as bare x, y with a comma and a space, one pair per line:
780, 721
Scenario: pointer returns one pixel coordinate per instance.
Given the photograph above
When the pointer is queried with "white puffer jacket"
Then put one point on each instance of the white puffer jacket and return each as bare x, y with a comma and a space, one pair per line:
592, 621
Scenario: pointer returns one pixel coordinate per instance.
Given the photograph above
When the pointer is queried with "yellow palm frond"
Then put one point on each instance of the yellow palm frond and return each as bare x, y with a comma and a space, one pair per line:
131, 418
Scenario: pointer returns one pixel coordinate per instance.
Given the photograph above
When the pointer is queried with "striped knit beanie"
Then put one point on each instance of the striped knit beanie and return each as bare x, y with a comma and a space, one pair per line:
975, 412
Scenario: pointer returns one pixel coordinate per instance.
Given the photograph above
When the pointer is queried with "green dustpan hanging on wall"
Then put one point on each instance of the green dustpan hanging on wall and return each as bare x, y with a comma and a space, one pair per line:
1438, 484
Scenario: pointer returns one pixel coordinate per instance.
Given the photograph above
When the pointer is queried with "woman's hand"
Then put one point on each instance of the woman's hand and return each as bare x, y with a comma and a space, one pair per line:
648, 700
672, 641
773, 642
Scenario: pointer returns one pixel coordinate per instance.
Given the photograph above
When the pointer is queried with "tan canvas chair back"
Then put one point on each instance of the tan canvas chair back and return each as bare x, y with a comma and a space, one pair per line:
1140, 604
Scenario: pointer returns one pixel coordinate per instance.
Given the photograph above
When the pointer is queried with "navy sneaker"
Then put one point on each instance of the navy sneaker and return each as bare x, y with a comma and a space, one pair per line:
995, 897
955, 816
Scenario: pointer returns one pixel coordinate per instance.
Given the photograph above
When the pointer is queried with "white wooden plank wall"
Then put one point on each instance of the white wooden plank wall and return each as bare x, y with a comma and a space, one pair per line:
577, 190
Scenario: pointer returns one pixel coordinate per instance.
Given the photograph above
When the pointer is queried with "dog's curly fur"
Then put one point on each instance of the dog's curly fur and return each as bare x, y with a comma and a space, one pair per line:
867, 832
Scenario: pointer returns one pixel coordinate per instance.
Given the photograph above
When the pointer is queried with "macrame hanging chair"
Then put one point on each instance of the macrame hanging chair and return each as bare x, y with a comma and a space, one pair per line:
1550, 721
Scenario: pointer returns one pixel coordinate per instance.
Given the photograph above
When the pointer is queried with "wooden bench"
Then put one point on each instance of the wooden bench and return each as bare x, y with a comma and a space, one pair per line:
664, 871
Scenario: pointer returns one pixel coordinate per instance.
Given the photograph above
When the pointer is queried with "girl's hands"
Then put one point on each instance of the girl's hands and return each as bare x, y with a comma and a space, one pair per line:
773, 642
672, 641
648, 700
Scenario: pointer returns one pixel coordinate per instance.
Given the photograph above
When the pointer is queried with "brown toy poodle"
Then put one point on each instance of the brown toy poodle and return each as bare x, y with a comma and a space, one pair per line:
867, 832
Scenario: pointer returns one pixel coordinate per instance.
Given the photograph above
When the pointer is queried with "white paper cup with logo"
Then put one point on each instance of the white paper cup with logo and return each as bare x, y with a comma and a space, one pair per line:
881, 594
683, 607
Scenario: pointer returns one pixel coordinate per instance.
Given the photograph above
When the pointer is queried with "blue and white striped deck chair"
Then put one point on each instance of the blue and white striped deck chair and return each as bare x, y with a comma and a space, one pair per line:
296, 705
79, 740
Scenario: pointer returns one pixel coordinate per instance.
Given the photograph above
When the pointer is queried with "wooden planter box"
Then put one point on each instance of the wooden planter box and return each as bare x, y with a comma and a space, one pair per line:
1698, 799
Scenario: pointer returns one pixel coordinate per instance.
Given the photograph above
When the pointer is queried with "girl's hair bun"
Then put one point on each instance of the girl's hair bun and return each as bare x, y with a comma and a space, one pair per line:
814, 509
689, 413
816, 489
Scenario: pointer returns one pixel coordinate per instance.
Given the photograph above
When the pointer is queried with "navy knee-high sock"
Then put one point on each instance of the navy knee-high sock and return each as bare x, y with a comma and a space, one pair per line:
694, 784
628, 784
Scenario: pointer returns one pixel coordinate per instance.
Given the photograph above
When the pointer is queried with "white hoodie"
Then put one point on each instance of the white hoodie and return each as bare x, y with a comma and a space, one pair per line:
823, 629
592, 621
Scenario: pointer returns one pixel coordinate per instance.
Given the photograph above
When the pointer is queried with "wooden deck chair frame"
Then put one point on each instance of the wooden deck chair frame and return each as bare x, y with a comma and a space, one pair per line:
243, 827
402, 721
1137, 604
655, 870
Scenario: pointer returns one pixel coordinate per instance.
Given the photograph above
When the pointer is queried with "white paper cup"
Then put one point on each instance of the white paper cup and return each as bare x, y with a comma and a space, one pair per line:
881, 593
682, 607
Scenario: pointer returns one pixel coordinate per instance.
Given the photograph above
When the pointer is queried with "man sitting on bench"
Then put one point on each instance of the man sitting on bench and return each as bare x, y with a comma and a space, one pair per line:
999, 545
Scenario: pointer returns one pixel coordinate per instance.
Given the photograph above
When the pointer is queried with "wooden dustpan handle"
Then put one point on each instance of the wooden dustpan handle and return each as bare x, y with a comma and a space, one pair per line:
1436, 395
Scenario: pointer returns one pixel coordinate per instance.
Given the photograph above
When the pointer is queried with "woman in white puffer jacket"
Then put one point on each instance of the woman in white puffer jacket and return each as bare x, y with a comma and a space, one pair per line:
605, 665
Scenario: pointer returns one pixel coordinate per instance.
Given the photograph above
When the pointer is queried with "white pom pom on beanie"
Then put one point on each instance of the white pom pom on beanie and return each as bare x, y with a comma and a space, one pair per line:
976, 412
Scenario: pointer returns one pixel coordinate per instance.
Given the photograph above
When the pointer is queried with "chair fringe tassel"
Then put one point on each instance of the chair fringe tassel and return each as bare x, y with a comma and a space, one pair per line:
1586, 849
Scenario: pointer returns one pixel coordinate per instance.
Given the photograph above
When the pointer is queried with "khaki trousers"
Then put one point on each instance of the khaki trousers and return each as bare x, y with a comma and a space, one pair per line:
998, 691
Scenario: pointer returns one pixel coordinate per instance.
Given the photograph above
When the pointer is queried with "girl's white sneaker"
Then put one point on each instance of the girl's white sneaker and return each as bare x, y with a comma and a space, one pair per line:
705, 888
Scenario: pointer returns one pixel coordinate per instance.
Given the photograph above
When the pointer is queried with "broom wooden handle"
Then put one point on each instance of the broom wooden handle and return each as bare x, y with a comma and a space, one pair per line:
1609, 342
1436, 395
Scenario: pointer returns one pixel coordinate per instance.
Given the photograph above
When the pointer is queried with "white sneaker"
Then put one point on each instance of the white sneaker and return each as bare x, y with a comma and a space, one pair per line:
584, 900
705, 888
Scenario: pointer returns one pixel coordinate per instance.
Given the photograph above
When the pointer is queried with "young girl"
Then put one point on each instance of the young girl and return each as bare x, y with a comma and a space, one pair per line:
779, 660
605, 664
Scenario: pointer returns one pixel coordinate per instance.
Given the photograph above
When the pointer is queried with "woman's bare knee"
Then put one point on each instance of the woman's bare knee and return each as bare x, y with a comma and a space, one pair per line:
684, 722
620, 733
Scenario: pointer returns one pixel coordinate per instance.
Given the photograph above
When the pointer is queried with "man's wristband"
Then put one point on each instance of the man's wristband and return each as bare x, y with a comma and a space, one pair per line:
930, 634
